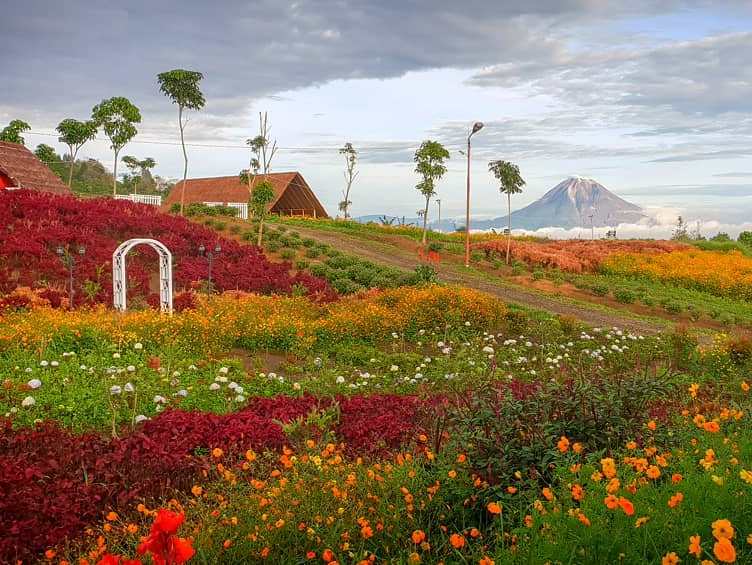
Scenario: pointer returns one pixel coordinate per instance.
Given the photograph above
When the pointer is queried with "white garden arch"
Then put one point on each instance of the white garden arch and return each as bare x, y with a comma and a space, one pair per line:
120, 280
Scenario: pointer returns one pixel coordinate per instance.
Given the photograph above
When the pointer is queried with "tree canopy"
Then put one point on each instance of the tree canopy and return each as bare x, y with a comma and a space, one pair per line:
508, 175
182, 87
12, 132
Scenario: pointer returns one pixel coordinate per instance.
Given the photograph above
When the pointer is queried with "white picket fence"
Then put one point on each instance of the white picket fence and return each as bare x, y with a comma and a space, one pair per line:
151, 199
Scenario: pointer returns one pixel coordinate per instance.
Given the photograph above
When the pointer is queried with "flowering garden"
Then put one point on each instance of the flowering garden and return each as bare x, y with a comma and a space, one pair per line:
280, 422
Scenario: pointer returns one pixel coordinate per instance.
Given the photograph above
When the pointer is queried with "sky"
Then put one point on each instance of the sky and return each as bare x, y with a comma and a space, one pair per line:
652, 98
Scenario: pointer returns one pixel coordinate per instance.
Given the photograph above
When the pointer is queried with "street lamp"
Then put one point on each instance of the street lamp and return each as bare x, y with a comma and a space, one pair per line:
210, 254
477, 126
69, 260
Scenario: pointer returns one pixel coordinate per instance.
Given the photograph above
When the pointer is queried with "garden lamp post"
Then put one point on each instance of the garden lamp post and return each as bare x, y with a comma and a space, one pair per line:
69, 260
209, 254
477, 126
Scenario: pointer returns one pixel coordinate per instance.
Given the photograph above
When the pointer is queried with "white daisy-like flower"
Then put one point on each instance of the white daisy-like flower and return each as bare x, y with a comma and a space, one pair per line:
340, 380
116, 355
159, 399
138, 345
115, 390
488, 349
214, 386
394, 368
182, 392
129, 387
233, 385
240, 398
43, 363
55, 364
28, 401
221, 379
224, 370
272, 375
239, 390
34, 383
296, 386
28, 370
140, 418
130, 368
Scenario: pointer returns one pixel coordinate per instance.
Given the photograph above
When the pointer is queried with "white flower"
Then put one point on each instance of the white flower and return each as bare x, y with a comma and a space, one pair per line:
115, 389
182, 392
394, 368
28, 401
233, 385
140, 418
240, 398
224, 370
214, 386
467, 323
116, 355
296, 386
488, 349
159, 399
82, 367
55, 364
138, 345
28, 370
129, 387
192, 367
317, 361
272, 375
130, 368
239, 390
34, 383
43, 363
221, 379
340, 380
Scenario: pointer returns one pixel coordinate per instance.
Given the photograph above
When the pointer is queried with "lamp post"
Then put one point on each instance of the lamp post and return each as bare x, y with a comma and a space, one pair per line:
69, 260
438, 203
477, 126
210, 254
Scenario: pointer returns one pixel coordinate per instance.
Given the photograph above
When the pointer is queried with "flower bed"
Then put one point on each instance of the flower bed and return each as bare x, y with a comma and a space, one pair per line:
35, 224
575, 256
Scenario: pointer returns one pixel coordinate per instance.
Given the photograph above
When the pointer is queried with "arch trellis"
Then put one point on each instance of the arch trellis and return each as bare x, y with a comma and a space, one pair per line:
119, 275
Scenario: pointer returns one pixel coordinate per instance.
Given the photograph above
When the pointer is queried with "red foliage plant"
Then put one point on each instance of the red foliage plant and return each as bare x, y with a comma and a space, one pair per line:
575, 256
34, 224
54, 483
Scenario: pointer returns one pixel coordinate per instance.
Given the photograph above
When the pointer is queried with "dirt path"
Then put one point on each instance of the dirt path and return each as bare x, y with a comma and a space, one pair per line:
378, 252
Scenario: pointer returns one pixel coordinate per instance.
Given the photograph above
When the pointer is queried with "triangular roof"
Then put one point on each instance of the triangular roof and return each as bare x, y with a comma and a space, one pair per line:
290, 189
25, 170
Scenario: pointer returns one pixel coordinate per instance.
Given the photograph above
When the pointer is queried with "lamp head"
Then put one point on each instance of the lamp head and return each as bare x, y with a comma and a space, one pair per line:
60, 250
217, 248
201, 249
477, 126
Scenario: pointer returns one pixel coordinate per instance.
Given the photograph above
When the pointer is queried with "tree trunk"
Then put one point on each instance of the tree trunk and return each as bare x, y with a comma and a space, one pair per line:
185, 160
114, 176
347, 199
509, 224
70, 170
261, 230
425, 220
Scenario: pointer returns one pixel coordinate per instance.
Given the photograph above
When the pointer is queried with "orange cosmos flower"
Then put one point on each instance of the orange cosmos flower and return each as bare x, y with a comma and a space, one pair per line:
670, 559
676, 478
652, 425
724, 551
457, 541
582, 518
745, 386
653, 472
548, 494
366, 532
694, 546
563, 444
611, 502
217, 452
485, 560
327, 556
511, 489
577, 492
626, 506
494, 508
675, 500
197, 490
722, 529
418, 537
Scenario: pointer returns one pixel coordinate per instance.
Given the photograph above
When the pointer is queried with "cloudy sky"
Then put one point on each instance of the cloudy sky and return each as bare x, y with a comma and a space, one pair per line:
653, 98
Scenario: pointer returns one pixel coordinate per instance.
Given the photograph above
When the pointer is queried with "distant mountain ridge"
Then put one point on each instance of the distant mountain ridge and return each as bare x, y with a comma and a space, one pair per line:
569, 204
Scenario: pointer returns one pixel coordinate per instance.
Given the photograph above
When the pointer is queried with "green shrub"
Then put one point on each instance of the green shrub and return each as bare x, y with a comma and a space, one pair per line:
287, 254
249, 236
308, 242
234, 229
647, 300
301, 264
435, 246
599, 289
220, 226
273, 246
272, 235
538, 274
200, 209
312, 252
341, 261
346, 286
673, 307
625, 296
476, 256
425, 274
321, 270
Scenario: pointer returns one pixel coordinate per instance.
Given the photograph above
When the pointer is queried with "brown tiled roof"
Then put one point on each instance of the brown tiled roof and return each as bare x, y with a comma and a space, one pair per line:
290, 191
26, 170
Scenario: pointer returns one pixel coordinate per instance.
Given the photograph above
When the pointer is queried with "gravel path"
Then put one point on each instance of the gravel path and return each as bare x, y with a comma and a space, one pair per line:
391, 255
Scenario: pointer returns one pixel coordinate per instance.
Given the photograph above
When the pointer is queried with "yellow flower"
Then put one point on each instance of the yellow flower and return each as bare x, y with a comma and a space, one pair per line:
746, 476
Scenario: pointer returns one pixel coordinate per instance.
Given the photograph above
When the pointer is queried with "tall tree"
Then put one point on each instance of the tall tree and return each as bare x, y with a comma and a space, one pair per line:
74, 134
510, 182
429, 164
351, 161
262, 196
117, 116
12, 132
140, 170
182, 87
262, 153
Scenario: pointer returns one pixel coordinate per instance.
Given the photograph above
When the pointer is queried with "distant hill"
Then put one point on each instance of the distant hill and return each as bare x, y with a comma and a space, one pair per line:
569, 205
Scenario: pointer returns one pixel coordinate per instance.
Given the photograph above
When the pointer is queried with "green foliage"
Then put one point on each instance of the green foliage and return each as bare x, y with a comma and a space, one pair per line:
508, 176
745, 238
75, 134
182, 87
117, 116
261, 197
429, 164
287, 254
46, 154
425, 274
200, 209
12, 133
625, 296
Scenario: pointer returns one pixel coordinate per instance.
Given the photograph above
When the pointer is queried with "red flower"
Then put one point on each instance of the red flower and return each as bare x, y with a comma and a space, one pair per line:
164, 547
110, 559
